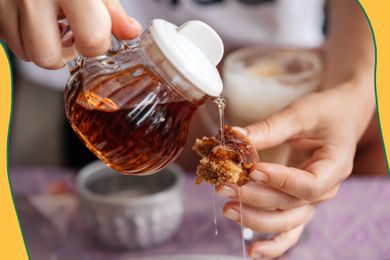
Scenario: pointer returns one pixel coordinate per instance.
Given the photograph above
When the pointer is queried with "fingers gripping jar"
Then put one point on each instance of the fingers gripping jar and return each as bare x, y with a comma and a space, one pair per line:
132, 106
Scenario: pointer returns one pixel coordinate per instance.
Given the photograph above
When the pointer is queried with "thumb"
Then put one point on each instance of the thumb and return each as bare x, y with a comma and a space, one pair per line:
275, 129
123, 26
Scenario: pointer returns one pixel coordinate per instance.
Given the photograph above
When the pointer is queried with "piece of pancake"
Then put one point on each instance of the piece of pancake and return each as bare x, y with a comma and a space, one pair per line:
227, 163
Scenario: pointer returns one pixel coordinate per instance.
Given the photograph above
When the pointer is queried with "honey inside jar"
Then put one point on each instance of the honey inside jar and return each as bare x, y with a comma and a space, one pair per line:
131, 119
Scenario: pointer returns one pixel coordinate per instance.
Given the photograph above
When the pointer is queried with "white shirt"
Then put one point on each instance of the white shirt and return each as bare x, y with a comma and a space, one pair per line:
279, 22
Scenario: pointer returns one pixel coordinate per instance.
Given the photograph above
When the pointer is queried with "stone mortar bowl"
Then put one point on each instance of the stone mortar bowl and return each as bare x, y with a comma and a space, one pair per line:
123, 211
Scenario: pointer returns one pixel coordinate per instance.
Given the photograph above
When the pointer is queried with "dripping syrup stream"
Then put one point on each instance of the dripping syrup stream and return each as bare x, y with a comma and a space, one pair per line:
215, 216
220, 101
221, 104
242, 228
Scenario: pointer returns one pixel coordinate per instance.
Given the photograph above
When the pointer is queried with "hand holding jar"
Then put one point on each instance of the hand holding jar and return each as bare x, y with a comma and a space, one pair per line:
31, 30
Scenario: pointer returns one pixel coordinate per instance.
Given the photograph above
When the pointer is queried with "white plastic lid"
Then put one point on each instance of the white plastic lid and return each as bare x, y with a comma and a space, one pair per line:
194, 49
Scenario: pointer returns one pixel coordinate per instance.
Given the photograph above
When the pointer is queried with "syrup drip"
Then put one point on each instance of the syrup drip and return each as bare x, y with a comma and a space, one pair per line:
242, 227
215, 216
221, 104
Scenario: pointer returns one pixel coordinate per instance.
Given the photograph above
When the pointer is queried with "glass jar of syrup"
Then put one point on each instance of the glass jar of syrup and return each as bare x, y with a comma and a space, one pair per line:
132, 106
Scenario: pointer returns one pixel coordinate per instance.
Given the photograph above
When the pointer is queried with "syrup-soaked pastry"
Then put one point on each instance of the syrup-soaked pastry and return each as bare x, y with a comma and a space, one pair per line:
225, 164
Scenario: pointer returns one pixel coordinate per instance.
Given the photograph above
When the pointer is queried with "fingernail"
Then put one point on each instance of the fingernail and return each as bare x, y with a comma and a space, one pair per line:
67, 39
241, 130
227, 191
134, 23
259, 176
256, 255
232, 214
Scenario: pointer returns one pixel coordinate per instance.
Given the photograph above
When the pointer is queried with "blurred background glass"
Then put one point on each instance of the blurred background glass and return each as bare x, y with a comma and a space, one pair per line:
260, 81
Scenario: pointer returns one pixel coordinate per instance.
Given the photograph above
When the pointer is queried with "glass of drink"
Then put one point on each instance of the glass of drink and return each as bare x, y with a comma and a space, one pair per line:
260, 81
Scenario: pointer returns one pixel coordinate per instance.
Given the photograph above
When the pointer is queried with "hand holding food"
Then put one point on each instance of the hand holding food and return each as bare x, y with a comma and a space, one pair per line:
227, 163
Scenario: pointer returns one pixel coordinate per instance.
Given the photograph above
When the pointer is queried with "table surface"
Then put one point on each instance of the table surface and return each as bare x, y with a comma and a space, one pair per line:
354, 225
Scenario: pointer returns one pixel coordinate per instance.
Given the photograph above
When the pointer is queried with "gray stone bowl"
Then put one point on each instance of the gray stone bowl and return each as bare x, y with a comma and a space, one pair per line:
128, 212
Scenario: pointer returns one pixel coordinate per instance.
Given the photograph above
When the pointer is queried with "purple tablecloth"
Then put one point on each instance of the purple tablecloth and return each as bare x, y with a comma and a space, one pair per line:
354, 225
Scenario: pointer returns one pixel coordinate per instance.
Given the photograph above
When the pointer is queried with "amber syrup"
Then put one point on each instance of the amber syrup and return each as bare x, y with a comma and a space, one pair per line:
241, 223
130, 119
220, 102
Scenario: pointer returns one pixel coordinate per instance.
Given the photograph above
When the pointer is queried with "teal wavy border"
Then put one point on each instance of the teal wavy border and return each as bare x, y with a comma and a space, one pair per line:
375, 87
2, 44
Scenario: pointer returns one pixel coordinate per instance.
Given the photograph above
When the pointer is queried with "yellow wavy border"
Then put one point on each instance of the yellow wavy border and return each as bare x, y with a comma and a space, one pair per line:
379, 23
12, 244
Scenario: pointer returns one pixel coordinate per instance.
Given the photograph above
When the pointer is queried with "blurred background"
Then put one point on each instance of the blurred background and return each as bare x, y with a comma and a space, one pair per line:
37, 125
